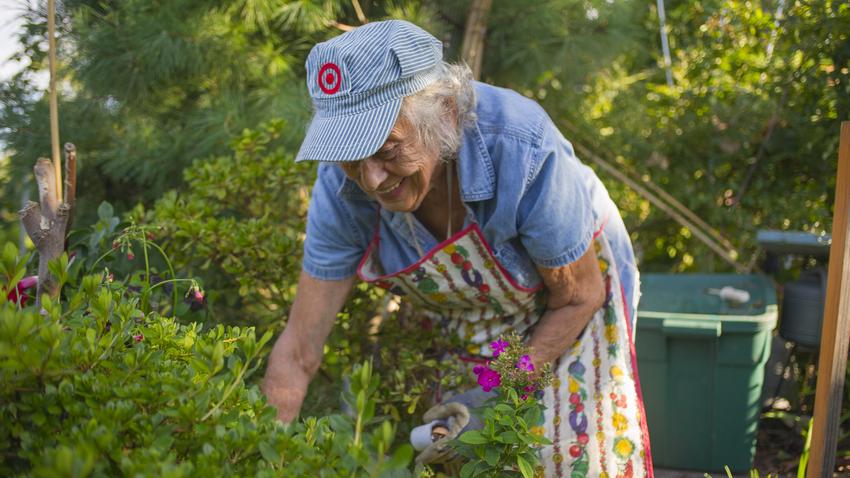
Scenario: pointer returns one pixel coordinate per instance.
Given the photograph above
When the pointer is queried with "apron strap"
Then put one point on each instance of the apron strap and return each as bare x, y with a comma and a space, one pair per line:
450, 166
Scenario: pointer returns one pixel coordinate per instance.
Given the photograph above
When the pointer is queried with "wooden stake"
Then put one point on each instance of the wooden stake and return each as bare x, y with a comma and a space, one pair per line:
836, 325
54, 108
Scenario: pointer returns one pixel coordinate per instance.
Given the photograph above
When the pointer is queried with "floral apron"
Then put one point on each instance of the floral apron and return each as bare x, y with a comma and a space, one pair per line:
594, 409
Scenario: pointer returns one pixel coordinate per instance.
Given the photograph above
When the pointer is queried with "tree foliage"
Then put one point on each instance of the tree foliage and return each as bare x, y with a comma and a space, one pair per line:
746, 137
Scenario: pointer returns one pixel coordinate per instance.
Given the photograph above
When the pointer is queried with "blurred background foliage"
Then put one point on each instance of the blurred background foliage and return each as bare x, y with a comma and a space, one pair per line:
745, 136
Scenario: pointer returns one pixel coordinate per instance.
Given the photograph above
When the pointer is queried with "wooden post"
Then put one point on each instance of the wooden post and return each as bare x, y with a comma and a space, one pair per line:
835, 334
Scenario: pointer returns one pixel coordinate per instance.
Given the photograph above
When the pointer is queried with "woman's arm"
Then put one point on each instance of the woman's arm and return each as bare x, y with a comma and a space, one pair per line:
298, 352
576, 292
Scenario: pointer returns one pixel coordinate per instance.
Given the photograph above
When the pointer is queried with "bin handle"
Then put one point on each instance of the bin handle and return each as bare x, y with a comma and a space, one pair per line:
691, 328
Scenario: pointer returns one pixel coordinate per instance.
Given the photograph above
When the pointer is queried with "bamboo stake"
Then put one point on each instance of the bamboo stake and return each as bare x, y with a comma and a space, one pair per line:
54, 108
836, 324
730, 256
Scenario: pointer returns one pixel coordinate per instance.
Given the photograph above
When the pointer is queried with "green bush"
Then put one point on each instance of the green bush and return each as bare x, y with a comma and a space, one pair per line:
97, 387
239, 226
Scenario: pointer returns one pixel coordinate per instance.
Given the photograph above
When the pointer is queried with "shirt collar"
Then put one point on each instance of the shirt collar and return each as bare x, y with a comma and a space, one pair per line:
475, 167
475, 170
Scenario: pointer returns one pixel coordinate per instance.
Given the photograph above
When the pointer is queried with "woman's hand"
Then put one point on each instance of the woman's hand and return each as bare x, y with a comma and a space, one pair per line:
576, 292
297, 354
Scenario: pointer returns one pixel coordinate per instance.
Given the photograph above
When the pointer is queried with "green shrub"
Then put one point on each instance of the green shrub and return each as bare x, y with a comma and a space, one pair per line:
239, 226
97, 387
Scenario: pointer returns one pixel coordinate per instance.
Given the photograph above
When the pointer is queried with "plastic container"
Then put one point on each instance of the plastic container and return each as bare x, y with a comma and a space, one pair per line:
701, 362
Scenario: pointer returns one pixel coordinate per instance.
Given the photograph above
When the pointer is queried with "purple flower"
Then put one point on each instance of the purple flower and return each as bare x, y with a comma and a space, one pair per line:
524, 396
525, 364
498, 347
139, 337
489, 379
529, 388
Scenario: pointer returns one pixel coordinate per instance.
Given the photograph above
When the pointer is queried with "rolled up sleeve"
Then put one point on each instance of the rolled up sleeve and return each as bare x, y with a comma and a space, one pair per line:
555, 215
334, 245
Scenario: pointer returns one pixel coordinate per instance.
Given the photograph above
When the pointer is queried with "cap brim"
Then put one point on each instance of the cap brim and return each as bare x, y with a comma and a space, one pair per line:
349, 137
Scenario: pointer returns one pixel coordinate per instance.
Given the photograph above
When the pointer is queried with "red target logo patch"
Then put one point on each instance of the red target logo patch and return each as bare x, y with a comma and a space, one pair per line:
329, 78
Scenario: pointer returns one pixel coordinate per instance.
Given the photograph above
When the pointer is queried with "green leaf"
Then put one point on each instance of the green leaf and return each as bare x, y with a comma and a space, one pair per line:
524, 467
492, 455
401, 457
217, 357
269, 453
467, 470
473, 437
105, 211
509, 437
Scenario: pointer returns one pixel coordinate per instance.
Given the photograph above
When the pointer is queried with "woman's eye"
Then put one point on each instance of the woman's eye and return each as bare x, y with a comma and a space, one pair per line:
388, 154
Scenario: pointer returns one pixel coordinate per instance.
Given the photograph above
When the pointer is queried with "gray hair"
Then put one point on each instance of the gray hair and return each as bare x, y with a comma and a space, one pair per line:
442, 110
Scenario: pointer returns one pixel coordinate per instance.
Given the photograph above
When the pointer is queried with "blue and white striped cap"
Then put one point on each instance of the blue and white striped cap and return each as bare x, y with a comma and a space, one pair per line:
357, 82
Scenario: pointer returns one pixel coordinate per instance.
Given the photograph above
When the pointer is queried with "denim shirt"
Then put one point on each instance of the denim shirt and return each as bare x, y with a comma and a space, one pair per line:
535, 202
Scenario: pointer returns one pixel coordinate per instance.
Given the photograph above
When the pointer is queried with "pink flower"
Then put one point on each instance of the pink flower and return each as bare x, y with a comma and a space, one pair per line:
488, 378
139, 337
525, 364
529, 388
524, 396
498, 347
18, 293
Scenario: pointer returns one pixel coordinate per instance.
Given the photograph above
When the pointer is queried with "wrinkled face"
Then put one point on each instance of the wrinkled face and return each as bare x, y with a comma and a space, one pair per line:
401, 174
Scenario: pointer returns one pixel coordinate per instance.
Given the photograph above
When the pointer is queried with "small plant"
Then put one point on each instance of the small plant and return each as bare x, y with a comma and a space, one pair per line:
753, 474
509, 442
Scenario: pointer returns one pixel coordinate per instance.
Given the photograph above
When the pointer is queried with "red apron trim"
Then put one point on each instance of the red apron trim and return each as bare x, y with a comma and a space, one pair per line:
376, 239
471, 228
644, 429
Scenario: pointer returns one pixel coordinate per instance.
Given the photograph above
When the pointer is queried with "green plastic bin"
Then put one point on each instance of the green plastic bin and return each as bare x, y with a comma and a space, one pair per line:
701, 363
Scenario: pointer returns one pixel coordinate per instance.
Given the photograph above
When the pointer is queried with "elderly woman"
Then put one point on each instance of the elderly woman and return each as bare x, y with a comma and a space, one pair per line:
464, 199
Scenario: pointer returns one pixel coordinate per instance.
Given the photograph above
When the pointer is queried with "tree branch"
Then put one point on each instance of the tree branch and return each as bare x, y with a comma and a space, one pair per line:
359, 11
51, 247
31, 218
472, 49
70, 182
342, 26
47, 194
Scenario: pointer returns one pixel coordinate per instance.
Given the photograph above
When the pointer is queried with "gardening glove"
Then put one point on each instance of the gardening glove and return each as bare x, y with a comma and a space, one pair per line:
455, 415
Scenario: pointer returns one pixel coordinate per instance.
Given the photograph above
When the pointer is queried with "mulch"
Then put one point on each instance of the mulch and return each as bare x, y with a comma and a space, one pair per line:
779, 447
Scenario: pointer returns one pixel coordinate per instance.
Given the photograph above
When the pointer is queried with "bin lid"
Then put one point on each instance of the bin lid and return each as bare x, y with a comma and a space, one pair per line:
689, 296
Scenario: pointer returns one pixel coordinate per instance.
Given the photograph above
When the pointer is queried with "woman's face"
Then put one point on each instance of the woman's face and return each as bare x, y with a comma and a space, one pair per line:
401, 174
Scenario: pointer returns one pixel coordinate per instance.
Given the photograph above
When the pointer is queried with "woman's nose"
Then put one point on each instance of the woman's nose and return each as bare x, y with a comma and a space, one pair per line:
374, 173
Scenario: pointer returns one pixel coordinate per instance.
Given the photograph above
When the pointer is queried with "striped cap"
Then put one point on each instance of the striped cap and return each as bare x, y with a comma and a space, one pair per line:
357, 82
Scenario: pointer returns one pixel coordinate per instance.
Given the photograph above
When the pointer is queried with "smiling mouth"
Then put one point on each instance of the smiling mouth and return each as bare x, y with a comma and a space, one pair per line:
390, 189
